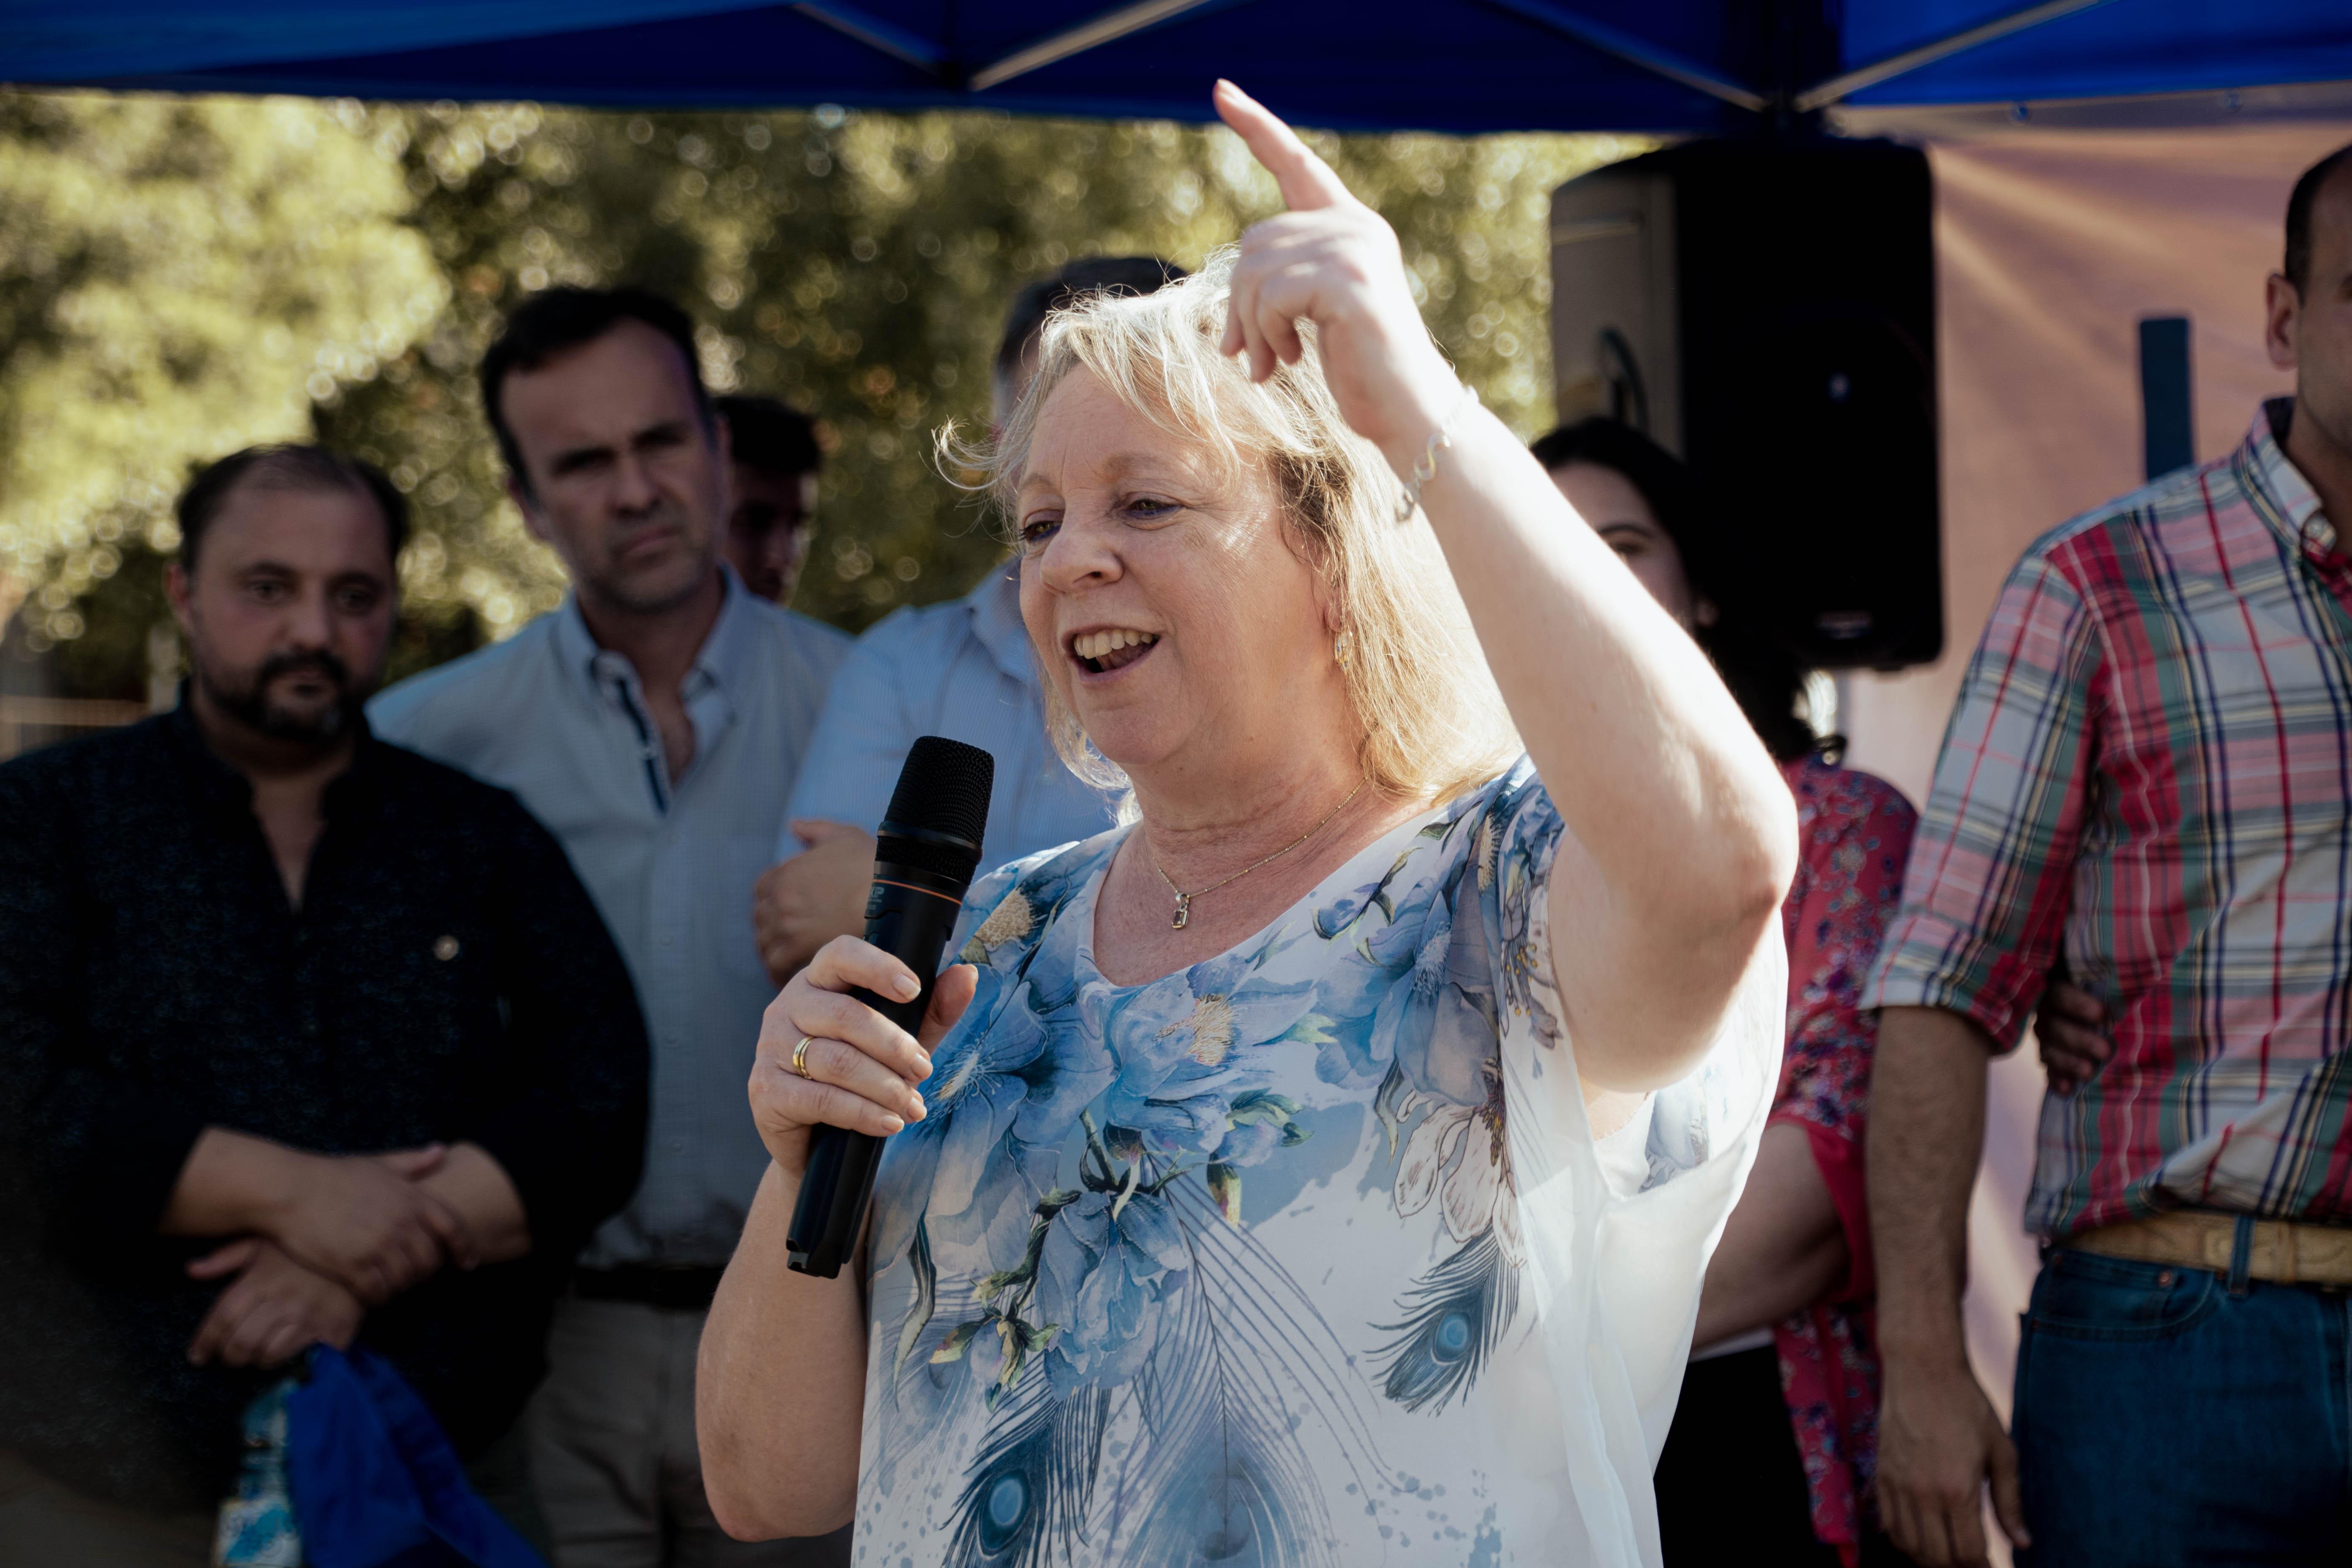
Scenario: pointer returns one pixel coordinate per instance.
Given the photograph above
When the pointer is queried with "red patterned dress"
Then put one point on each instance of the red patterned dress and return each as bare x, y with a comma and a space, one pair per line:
1854, 835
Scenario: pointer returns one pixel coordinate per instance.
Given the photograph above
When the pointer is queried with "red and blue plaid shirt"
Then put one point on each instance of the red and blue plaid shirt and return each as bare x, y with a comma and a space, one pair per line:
2149, 774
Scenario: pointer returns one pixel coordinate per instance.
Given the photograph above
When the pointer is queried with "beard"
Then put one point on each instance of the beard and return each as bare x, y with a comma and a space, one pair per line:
245, 696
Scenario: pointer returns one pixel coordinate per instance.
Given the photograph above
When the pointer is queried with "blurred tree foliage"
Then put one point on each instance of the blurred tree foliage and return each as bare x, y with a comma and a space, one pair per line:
178, 277
856, 265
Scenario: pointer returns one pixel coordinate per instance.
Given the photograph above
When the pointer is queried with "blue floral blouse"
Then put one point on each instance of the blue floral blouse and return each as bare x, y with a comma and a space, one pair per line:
1231, 1266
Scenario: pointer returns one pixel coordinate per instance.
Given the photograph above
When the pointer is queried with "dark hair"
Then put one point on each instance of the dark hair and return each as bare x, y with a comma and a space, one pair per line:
287, 467
1136, 275
1757, 665
550, 324
2298, 215
771, 436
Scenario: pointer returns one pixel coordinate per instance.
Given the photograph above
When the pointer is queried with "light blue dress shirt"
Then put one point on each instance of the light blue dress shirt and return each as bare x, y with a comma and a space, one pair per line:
962, 670
670, 862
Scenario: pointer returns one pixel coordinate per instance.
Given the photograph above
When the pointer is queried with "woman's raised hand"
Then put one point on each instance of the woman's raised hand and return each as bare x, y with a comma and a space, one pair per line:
1333, 261
863, 1069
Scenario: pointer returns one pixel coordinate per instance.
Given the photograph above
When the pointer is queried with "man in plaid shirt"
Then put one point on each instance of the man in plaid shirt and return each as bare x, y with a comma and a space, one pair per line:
2147, 784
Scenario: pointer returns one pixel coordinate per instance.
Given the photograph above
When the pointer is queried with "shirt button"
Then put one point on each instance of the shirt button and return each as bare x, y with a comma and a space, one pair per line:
2320, 534
665, 942
678, 1145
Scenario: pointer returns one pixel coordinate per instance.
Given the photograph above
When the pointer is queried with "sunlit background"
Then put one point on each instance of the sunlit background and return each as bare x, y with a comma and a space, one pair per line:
180, 277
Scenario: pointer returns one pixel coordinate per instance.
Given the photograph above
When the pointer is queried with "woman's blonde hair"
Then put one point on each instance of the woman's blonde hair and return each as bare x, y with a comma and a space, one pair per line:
1432, 722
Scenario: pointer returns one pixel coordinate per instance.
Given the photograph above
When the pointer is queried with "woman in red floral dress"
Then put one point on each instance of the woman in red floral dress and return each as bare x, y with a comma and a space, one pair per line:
1775, 1439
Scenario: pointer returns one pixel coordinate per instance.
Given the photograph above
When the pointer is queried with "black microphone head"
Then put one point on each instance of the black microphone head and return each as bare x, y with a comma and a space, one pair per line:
940, 810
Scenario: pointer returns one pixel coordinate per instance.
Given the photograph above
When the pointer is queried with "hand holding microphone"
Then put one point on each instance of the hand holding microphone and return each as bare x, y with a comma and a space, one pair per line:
843, 1047
862, 1069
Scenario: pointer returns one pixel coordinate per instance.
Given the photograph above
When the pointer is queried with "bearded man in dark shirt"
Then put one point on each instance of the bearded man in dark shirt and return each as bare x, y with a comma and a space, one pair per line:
303, 1040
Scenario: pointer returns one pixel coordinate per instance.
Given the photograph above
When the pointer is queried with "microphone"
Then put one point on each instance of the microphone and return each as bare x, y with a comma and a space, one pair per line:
928, 848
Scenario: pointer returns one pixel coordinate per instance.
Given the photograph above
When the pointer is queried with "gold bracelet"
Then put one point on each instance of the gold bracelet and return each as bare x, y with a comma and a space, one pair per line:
1426, 470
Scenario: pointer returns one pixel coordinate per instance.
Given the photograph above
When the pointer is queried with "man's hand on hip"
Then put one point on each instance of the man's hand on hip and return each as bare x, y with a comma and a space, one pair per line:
804, 902
2071, 1028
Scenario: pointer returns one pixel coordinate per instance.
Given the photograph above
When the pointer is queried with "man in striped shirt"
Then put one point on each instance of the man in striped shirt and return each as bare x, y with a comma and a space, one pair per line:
2146, 784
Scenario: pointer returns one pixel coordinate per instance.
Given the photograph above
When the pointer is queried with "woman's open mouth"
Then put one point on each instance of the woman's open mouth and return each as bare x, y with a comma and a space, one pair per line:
1100, 652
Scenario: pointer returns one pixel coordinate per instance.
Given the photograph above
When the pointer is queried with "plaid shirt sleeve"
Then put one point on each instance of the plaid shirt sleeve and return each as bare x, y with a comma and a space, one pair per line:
1985, 900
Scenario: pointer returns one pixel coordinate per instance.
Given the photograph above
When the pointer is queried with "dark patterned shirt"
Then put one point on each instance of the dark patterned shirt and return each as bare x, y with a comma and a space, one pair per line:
445, 979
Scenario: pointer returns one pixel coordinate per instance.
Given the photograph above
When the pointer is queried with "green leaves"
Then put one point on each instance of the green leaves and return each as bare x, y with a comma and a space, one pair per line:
927, 1294
1225, 1190
1022, 1276
1019, 1339
958, 1339
1260, 1105
179, 277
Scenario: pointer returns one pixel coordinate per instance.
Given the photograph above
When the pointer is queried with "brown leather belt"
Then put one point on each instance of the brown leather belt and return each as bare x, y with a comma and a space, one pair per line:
2283, 1252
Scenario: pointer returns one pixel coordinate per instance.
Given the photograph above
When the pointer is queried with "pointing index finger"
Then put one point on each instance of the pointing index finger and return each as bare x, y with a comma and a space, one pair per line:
1306, 181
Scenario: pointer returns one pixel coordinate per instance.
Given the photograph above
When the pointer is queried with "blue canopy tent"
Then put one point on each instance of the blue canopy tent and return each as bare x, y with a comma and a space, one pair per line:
2036, 412
1465, 66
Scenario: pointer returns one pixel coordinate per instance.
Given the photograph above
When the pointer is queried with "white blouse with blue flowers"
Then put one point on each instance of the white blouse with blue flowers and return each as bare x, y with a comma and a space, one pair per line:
1301, 1254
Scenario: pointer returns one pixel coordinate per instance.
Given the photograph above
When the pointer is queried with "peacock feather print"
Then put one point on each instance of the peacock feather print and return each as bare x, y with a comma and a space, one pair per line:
1225, 1267
1454, 1316
1214, 1410
1025, 1501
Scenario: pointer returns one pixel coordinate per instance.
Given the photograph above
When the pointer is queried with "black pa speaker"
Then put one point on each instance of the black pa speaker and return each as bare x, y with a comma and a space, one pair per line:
1767, 311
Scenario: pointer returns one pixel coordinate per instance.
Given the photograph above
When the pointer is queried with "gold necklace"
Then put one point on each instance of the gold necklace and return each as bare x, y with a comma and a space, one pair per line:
1184, 900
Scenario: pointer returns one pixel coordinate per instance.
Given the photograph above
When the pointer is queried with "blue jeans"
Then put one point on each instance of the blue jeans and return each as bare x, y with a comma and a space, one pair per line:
2171, 1415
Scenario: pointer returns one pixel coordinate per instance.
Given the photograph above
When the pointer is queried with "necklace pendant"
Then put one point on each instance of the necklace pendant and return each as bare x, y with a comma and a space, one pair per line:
1184, 912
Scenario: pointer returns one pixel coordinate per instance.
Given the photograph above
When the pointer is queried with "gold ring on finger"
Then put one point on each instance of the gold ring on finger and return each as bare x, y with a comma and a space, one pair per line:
800, 1057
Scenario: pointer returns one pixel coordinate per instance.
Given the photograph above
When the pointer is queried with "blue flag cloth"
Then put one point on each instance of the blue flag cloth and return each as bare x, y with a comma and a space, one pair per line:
375, 1483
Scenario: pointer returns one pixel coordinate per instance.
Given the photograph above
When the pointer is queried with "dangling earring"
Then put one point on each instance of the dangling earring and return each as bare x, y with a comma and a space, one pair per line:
1342, 650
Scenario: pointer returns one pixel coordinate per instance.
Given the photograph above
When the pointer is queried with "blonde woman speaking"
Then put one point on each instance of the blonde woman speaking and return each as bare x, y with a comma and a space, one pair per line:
1320, 1167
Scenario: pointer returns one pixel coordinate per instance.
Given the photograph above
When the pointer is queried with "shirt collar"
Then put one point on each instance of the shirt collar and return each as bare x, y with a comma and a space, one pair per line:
2293, 506
723, 662
575, 644
996, 622
727, 652
212, 782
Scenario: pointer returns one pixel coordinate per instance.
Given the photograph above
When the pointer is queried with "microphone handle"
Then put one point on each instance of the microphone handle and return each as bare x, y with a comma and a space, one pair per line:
910, 914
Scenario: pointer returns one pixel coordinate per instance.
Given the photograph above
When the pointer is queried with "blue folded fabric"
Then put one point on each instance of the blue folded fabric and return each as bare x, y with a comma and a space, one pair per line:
375, 1483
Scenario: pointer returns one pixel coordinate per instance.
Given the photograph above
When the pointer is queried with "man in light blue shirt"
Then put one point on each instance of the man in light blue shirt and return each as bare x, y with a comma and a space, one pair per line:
655, 724
962, 670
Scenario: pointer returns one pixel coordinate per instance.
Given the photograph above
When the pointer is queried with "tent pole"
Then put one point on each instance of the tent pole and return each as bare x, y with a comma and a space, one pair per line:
1106, 28
908, 49
1822, 94
1632, 50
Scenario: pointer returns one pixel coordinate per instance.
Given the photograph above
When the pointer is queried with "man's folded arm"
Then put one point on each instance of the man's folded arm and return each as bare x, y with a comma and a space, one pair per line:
571, 1140
103, 1154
